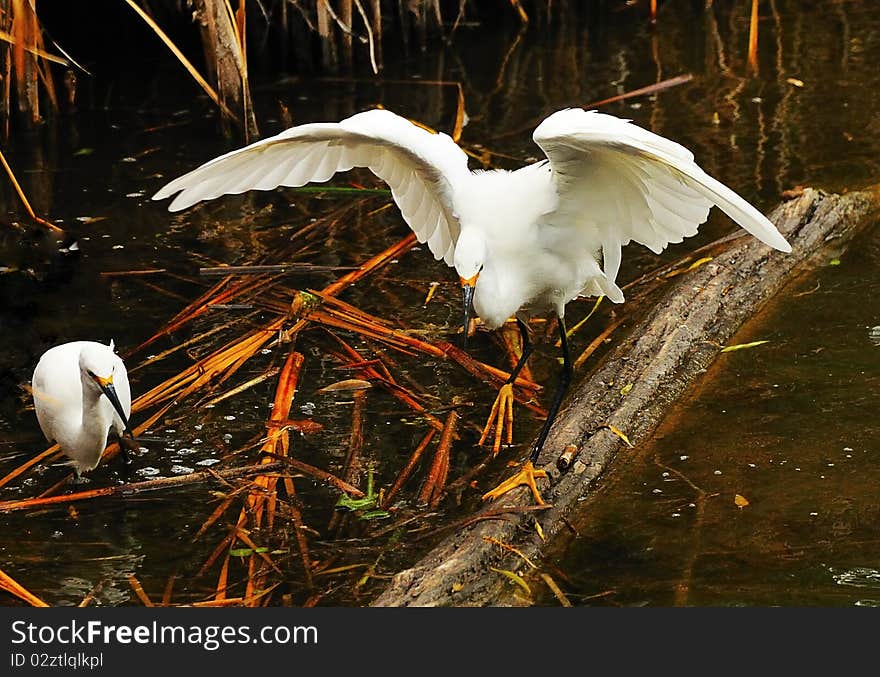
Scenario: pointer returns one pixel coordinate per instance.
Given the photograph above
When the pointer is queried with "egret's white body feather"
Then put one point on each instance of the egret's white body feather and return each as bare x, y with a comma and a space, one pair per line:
538, 236
71, 407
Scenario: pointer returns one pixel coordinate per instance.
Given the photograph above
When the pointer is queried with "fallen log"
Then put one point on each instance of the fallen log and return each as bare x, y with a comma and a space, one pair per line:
661, 356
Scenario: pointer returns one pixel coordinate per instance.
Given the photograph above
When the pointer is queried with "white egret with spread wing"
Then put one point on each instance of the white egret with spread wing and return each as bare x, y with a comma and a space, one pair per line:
81, 394
522, 242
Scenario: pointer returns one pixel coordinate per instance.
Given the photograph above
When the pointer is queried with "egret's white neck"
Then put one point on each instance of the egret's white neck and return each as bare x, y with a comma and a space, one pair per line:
471, 251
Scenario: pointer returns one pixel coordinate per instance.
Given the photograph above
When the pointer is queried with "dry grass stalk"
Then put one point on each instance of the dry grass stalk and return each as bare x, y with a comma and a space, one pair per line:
30, 463
5, 36
226, 601
13, 587
93, 593
520, 11
371, 374
139, 591
644, 91
169, 587
394, 251
460, 114
130, 489
247, 385
434, 486
753, 38
318, 474
355, 320
407, 470
29, 68
299, 532
183, 60
214, 516
390, 337
556, 590
23, 198
276, 443
223, 578
596, 342
371, 40
213, 296
221, 548
216, 367
344, 22
352, 465
245, 538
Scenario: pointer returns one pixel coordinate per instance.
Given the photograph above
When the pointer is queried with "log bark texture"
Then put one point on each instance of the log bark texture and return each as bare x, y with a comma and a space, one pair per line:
661, 356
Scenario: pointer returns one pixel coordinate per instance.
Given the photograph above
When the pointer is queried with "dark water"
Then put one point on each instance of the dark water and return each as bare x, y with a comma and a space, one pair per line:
790, 426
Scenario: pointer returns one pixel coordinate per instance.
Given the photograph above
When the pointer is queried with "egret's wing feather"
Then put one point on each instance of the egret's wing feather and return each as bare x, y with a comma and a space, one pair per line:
626, 183
421, 168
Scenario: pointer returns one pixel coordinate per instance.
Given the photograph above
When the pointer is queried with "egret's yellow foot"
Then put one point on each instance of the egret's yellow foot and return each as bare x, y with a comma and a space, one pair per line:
527, 476
501, 418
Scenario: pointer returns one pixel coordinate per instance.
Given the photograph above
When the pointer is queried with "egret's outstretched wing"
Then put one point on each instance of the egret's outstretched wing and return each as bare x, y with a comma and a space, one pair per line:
626, 183
421, 169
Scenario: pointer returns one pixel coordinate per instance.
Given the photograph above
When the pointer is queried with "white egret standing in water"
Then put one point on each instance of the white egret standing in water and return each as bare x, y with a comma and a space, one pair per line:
522, 242
81, 394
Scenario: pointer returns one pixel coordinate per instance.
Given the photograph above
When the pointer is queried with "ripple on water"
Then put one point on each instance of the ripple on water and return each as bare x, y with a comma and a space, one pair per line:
858, 577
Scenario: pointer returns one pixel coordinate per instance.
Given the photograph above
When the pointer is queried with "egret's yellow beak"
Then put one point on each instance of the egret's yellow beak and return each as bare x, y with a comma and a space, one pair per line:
104, 382
467, 287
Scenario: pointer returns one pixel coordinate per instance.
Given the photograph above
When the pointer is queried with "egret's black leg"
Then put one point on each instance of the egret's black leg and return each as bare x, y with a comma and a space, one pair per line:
564, 382
501, 416
527, 348
528, 473
127, 446
123, 449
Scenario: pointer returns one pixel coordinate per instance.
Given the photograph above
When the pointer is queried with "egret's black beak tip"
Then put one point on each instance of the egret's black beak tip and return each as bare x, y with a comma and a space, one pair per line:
467, 298
110, 393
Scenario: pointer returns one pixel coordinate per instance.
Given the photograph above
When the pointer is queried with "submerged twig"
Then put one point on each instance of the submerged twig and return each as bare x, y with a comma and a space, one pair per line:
128, 490
13, 587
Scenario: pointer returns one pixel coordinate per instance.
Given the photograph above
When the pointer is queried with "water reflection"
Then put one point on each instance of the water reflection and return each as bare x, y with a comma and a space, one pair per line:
790, 427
